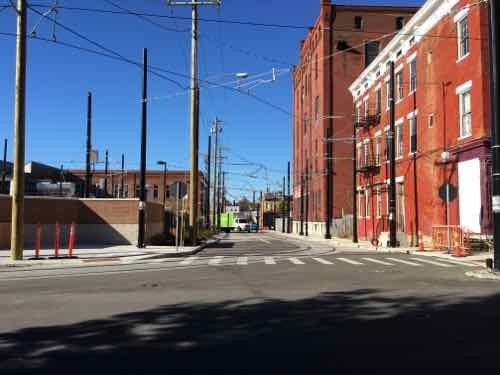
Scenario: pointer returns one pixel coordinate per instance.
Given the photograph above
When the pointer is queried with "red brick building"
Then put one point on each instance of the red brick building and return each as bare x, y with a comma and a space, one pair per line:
110, 185
442, 127
334, 53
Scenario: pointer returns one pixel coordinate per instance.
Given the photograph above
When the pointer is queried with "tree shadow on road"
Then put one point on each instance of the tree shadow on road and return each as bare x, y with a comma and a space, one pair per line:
361, 331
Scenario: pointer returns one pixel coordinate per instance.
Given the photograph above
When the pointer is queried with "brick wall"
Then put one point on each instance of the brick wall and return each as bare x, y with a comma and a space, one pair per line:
99, 221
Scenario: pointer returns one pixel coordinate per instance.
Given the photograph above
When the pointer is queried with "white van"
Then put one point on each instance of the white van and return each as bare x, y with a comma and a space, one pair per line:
241, 225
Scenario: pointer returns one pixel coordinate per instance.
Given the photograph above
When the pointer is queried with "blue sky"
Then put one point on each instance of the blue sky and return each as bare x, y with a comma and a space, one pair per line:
59, 78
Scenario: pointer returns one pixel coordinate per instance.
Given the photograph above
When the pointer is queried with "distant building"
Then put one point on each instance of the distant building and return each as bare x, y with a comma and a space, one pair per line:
442, 129
344, 40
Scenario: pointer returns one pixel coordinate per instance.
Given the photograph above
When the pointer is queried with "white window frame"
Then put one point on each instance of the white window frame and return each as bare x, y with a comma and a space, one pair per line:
378, 208
461, 91
460, 38
367, 203
412, 117
399, 134
366, 152
359, 154
399, 86
366, 103
378, 148
412, 61
378, 101
387, 95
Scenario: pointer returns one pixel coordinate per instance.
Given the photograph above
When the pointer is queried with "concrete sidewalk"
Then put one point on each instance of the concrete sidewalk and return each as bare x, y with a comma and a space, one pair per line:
342, 245
110, 254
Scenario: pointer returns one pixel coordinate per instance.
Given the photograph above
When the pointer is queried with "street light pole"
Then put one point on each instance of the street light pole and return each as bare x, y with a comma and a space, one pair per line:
17, 217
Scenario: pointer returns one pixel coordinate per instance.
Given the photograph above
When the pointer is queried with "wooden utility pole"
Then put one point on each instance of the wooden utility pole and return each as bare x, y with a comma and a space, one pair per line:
207, 194
194, 140
17, 218
88, 177
216, 130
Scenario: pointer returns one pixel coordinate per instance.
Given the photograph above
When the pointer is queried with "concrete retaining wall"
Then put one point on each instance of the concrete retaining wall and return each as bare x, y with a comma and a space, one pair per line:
99, 221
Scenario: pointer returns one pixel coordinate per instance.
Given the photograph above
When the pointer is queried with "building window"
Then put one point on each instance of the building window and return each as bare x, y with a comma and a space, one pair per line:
413, 135
400, 23
378, 150
399, 86
388, 94
125, 191
378, 101
359, 152
399, 140
358, 23
387, 145
430, 121
316, 73
379, 202
316, 108
155, 192
305, 123
413, 76
465, 114
372, 50
358, 113
137, 191
360, 202
366, 158
367, 108
116, 191
463, 38
367, 203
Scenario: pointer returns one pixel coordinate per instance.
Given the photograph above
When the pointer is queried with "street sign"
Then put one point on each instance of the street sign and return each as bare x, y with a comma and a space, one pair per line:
453, 192
178, 185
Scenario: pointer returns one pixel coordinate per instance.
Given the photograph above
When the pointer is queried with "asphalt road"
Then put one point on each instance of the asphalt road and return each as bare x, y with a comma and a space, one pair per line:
252, 304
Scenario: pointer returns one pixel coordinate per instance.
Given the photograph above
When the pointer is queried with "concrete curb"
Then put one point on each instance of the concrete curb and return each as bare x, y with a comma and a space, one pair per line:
484, 274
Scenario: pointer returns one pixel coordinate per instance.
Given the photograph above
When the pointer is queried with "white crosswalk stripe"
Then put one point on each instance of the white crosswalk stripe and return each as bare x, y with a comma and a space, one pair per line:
433, 263
322, 261
216, 260
269, 260
405, 262
295, 261
378, 261
188, 261
242, 261
350, 261
461, 263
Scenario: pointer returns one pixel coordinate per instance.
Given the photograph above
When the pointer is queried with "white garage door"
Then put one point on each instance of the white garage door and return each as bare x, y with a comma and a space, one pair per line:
469, 190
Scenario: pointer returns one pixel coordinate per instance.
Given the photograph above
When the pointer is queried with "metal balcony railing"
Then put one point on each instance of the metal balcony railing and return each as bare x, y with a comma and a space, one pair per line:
367, 121
370, 165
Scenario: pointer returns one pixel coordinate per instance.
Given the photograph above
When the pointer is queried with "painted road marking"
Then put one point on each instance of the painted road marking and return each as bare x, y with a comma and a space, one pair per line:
265, 241
378, 261
322, 261
350, 261
216, 260
269, 260
188, 261
242, 261
404, 262
434, 263
453, 261
295, 261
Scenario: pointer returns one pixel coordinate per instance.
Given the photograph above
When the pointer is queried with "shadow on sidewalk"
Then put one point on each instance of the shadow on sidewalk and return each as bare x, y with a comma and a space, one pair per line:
361, 331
